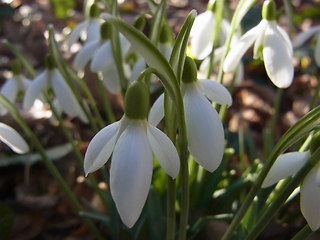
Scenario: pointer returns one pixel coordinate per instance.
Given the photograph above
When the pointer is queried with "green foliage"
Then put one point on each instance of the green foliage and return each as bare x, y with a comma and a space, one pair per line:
62, 8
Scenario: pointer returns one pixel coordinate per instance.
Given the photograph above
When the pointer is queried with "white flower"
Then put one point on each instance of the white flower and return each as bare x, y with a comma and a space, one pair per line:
13, 139
132, 143
202, 34
103, 61
53, 79
205, 132
274, 44
12, 87
89, 27
304, 36
287, 165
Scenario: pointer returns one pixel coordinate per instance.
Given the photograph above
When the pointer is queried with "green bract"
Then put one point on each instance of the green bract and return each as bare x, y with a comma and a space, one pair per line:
49, 62
136, 101
189, 74
95, 11
16, 67
269, 11
105, 31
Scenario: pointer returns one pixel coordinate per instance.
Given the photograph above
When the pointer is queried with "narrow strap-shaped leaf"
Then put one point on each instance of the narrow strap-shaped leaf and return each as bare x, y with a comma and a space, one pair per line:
157, 22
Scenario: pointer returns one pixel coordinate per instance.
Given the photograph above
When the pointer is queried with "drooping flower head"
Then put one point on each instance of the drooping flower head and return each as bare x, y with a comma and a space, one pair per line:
205, 131
289, 164
13, 139
304, 36
13, 86
132, 140
271, 44
52, 78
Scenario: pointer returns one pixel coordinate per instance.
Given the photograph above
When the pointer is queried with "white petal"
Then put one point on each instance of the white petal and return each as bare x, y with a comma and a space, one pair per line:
131, 172
85, 54
317, 50
10, 91
124, 44
286, 37
286, 165
166, 49
310, 199
216, 92
93, 32
304, 36
66, 99
164, 151
75, 34
25, 82
103, 58
202, 35
13, 139
111, 80
204, 129
137, 69
34, 90
277, 58
318, 178
101, 147
157, 111
241, 46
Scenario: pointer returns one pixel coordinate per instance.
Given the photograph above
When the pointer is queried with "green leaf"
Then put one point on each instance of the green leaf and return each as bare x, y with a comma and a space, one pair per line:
6, 220
157, 22
96, 216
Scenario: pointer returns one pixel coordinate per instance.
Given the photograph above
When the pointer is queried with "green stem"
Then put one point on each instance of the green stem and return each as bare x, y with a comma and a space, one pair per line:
105, 99
49, 164
289, 13
302, 127
283, 196
304, 233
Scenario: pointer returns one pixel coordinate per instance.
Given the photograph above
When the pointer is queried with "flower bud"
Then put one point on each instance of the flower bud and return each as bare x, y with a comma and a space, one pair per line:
94, 11
166, 34
269, 11
16, 67
49, 62
136, 101
189, 74
139, 22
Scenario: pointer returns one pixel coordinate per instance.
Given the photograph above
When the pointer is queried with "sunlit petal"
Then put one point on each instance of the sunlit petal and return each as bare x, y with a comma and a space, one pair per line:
65, 96
10, 91
204, 129
76, 32
304, 36
277, 59
216, 92
131, 172
100, 148
13, 139
164, 151
34, 90
310, 199
85, 54
286, 165
157, 111
286, 37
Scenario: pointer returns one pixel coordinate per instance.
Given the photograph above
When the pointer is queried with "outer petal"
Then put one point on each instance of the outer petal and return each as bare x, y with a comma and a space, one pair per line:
103, 58
131, 171
66, 99
164, 151
34, 90
85, 54
111, 80
202, 35
216, 92
286, 37
157, 111
277, 58
100, 148
137, 69
304, 36
10, 91
285, 166
93, 32
13, 139
239, 48
310, 199
204, 129
75, 34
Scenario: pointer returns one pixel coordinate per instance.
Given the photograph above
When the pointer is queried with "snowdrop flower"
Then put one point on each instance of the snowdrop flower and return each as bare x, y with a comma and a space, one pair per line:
89, 26
13, 86
132, 140
304, 36
287, 165
202, 34
205, 132
52, 78
271, 42
13, 139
